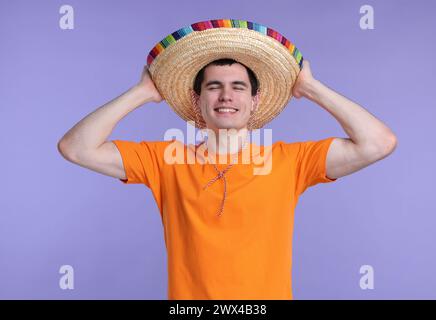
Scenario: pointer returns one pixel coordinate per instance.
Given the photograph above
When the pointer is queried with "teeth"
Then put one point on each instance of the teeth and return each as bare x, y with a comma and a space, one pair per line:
226, 110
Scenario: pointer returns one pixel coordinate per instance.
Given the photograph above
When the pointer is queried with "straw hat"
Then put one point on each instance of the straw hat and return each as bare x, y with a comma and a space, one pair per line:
175, 61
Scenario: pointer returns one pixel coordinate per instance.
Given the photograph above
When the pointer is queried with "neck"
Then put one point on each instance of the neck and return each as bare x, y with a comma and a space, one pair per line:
226, 141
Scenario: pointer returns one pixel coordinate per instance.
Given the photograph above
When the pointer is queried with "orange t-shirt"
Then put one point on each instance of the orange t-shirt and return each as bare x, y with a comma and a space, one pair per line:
246, 252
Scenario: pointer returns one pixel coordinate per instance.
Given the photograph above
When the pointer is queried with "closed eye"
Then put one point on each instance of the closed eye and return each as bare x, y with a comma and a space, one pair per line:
234, 88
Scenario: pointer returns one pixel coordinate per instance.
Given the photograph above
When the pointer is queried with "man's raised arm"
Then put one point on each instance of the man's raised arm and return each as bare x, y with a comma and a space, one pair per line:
369, 139
85, 143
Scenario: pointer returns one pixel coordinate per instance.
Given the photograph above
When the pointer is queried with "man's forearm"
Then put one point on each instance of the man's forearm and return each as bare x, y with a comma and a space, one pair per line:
361, 126
93, 130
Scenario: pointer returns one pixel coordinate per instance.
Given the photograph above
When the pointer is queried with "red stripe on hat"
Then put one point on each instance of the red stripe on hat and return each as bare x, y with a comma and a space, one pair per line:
208, 24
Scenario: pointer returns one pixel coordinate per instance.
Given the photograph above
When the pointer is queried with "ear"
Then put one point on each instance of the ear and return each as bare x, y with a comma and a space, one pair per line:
194, 98
255, 102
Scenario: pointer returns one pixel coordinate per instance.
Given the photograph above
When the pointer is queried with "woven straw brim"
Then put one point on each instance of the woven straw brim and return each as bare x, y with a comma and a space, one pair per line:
174, 69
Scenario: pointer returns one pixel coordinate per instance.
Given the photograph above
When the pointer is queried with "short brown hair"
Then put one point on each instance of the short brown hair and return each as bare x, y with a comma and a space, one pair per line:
224, 62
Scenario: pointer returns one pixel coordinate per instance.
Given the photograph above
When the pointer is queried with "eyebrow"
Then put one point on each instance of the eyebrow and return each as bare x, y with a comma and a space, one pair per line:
242, 83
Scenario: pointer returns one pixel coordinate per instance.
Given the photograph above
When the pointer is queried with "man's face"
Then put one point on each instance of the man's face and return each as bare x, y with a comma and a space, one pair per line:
225, 100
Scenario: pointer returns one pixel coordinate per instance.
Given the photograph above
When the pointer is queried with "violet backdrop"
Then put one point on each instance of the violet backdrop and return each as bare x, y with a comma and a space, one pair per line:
54, 213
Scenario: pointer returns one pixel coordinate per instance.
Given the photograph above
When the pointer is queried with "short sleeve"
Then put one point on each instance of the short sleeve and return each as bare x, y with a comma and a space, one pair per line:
310, 164
141, 161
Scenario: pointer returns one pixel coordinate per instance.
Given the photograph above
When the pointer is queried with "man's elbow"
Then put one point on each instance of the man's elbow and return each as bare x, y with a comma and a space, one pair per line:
66, 151
380, 148
386, 145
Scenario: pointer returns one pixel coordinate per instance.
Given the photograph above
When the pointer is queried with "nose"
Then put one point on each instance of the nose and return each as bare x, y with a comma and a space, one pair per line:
225, 94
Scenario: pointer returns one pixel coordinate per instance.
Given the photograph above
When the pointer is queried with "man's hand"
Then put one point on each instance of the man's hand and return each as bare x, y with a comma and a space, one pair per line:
147, 85
304, 81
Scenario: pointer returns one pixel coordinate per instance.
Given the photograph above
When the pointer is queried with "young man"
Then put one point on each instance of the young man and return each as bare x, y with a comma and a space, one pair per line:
228, 231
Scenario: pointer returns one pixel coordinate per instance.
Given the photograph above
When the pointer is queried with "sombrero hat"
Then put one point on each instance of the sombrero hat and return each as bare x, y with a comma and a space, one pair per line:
175, 61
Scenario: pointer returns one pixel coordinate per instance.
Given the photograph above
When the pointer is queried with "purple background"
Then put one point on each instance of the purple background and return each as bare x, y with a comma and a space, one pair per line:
54, 213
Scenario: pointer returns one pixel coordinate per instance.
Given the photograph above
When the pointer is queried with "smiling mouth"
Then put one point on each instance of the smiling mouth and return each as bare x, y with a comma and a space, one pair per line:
226, 110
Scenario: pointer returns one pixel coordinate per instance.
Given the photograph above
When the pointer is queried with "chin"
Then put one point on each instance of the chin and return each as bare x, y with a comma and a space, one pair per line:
223, 125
